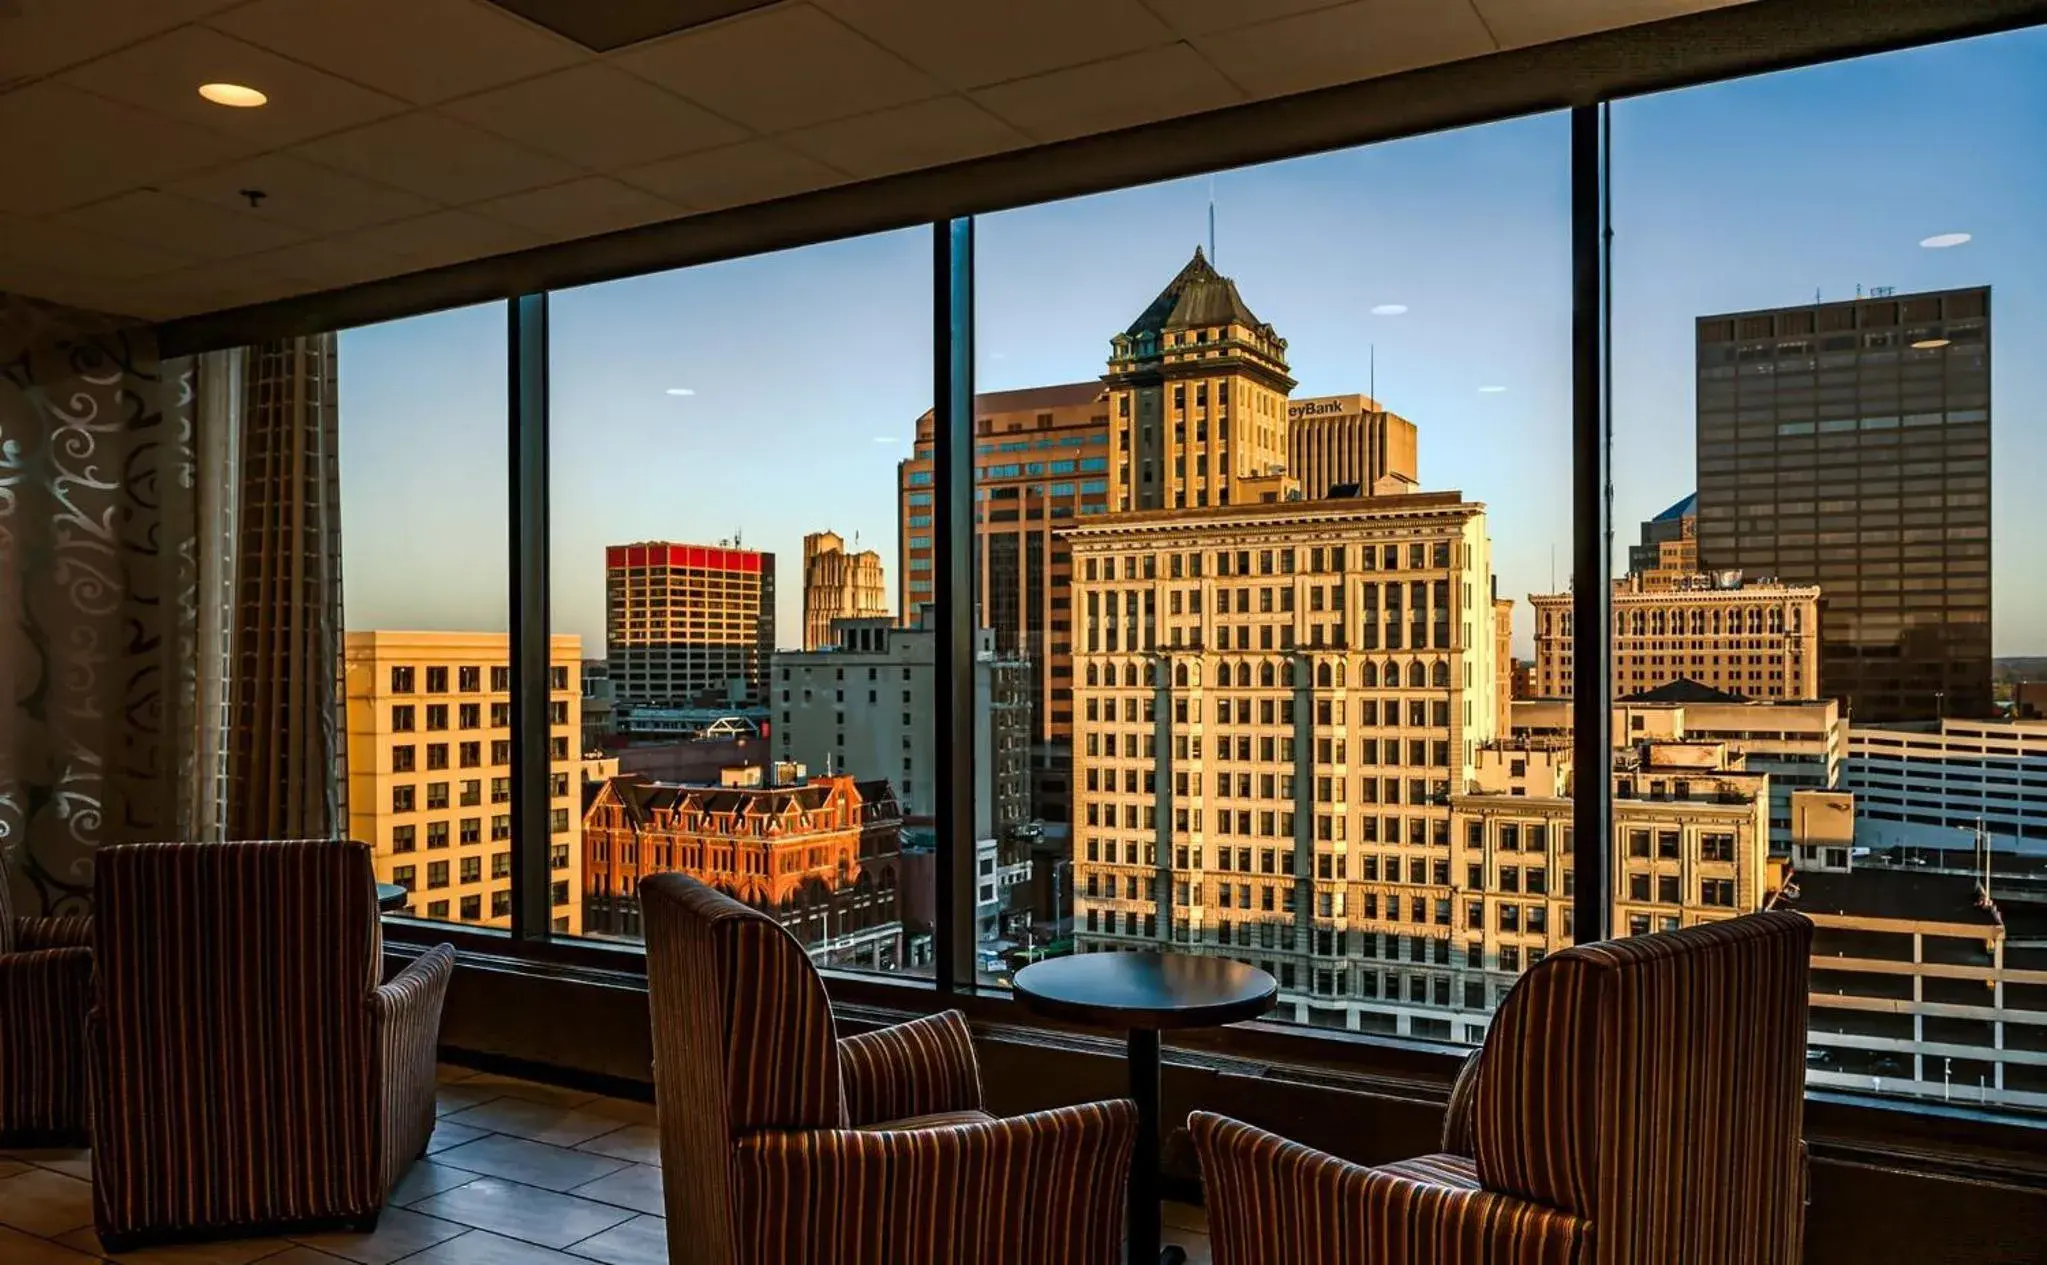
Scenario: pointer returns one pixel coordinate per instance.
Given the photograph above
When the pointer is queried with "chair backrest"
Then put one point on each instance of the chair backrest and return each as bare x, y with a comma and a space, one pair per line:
233, 1051
1656, 1086
6, 907
743, 1042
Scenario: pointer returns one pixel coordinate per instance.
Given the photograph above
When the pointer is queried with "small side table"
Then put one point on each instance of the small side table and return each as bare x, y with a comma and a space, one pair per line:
1144, 993
391, 898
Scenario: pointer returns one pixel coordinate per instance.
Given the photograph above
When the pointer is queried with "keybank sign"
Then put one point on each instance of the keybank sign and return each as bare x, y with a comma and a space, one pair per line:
1320, 408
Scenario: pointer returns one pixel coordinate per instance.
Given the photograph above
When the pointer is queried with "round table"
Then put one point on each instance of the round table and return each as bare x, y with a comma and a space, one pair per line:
391, 898
1144, 993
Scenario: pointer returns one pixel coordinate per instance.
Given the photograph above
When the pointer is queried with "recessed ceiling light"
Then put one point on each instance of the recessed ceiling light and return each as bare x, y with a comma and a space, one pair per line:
1929, 344
232, 94
680, 391
1490, 390
1941, 241
886, 439
1390, 309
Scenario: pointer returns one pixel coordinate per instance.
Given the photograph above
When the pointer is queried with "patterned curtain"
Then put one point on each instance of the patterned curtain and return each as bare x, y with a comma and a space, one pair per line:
98, 573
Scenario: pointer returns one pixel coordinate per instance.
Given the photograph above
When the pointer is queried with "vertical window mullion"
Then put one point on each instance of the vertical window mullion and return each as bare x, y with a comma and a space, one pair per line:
527, 417
1591, 531
952, 452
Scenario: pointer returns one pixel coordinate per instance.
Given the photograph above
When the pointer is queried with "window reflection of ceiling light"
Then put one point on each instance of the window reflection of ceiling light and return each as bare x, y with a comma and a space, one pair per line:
1390, 309
1929, 344
232, 94
1941, 241
1490, 390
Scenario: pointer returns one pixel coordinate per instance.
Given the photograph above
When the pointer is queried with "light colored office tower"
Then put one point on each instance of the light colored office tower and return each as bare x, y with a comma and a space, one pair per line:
689, 625
430, 770
1349, 444
1748, 639
838, 585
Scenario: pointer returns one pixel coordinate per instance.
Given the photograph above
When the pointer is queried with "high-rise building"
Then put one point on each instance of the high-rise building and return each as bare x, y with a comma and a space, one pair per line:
822, 857
863, 706
430, 770
1351, 444
1669, 547
281, 779
1040, 463
1268, 695
838, 585
1755, 640
1197, 400
689, 624
1847, 445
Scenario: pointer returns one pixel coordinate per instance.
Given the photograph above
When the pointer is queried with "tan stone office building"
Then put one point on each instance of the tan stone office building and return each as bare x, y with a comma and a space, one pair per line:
430, 776
1350, 444
1756, 640
838, 585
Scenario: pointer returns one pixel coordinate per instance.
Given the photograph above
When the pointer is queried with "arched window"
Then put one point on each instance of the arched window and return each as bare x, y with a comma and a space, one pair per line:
1417, 675
1322, 674
1265, 674
1440, 675
1368, 673
1130, 674
1339, 674
1179, 674
1094, 674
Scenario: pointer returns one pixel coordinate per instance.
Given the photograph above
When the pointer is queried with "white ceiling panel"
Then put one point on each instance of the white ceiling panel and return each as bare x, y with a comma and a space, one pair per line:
65, 147
421, 50
580, 208
780, 69
438, 158
198, 230
300, 193
1360, 40
39, 37
32, 245
923, 134
755, 171
597, 116
968, 45
162, 74
1102, 96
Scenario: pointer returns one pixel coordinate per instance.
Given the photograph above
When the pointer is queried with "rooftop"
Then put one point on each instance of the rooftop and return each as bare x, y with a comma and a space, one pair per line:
1895, 894
1198, 297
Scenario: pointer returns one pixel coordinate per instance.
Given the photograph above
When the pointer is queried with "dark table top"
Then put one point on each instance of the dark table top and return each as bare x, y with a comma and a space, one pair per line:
1146, 990
391, 897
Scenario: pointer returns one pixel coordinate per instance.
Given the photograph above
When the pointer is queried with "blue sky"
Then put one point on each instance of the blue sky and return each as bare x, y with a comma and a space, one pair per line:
806, 370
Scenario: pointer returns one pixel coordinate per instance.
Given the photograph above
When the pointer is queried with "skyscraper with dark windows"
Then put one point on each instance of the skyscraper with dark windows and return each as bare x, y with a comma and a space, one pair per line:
1847, 445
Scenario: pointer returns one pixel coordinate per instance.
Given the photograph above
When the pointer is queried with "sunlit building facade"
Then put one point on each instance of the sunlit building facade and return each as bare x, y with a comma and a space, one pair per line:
689, 624
1754, 640
838, 585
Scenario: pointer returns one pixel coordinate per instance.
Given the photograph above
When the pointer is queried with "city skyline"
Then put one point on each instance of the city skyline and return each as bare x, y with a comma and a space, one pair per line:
1468, 230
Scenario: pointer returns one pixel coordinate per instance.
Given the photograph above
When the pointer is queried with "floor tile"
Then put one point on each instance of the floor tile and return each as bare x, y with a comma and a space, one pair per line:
17, 1248
641, 1241
1184, 1216
300, 1254
620, 1109
9, 1168
532, 1091
72, 1162
399, 1233
446, 1135
523, 1212
637, 1187
481, 1247
1195, 1245
224, 1252
45, 1203
426, 1177
534, 1121
461, 1096
530, 1163
448, 1073
640, 1143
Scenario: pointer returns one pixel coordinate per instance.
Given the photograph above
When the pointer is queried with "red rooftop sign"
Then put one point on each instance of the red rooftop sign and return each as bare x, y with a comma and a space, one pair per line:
699, 557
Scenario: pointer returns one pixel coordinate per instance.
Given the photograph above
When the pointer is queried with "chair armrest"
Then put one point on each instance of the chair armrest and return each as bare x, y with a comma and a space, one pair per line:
917, 1068
53, 933
1458, 1119
1043, 1187
44, 997
1271, 1201
405, 1023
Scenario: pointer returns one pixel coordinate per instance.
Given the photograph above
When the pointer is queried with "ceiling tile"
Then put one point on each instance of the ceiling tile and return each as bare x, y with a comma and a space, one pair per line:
443, 237
1201, 17
198, 229
65, 147
438, 158
1159, 83
302, 194
421, 50
1361, 40
1518, 23
971, 44
926, 134
580, 208
163, 75
781, 69
755, 171
321, 264
61, 247
598, 116
39, 37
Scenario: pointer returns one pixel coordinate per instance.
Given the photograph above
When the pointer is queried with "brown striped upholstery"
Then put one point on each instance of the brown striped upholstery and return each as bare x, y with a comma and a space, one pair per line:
249, 1074
783, 1145
1648, 1093
45, 991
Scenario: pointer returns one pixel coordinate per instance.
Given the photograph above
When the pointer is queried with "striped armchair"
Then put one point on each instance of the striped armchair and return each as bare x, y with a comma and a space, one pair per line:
250, 1073
782, 1144
1637, 1102
45, 988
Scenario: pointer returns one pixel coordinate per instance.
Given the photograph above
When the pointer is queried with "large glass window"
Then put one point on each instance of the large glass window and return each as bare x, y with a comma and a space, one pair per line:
755, 706
1827, 284
1262, 462
425, 595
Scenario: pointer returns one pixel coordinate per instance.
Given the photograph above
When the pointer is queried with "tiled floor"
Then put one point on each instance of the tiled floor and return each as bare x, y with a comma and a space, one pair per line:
517, 1173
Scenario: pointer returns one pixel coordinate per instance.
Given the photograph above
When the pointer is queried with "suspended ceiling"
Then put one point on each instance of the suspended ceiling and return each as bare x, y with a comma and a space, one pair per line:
402, 135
